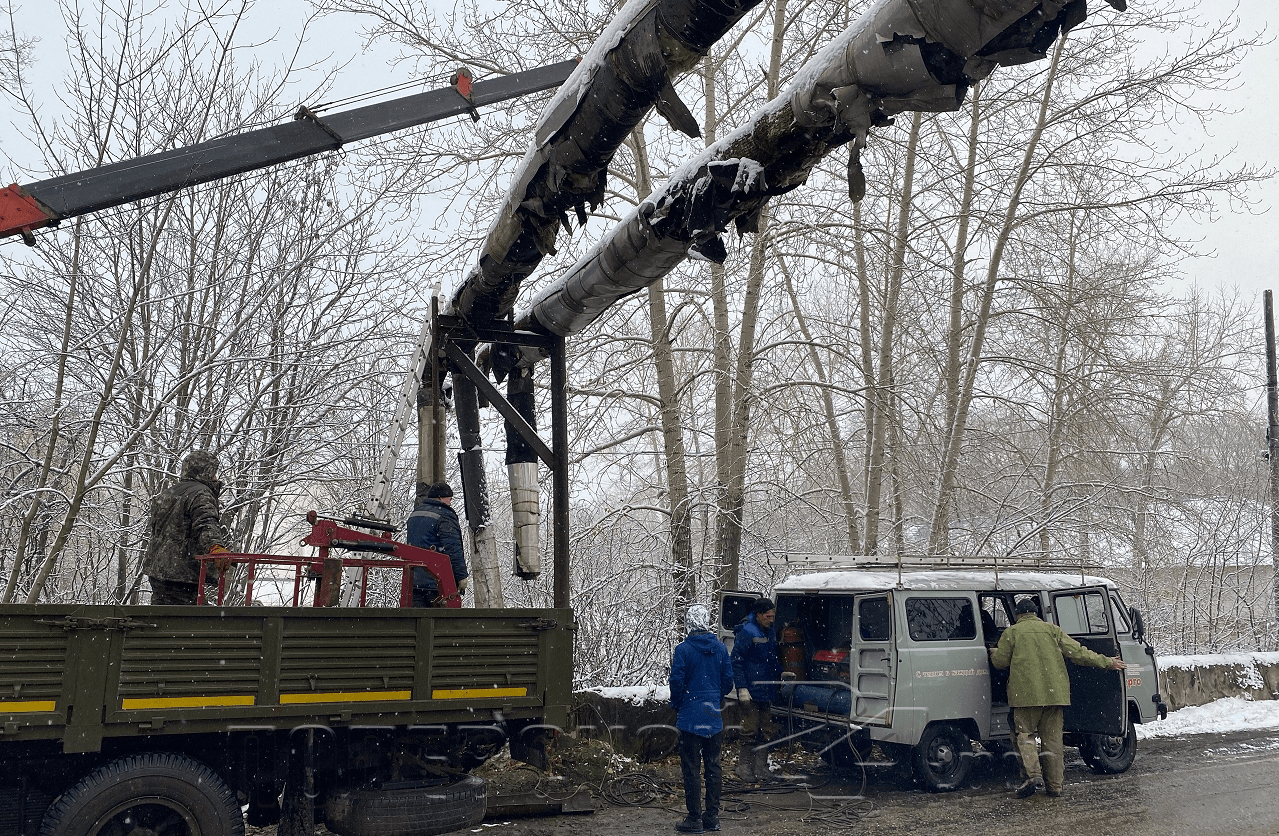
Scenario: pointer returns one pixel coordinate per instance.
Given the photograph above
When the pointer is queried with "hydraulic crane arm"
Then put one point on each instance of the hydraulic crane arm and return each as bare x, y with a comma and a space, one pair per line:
37, 205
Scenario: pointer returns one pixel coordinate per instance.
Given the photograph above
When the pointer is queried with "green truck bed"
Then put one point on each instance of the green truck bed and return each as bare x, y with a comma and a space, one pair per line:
88, 674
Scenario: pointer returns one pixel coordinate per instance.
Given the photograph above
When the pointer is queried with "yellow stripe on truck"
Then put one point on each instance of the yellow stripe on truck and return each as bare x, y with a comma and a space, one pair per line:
187, 702
478, 693
355, 696
30, 705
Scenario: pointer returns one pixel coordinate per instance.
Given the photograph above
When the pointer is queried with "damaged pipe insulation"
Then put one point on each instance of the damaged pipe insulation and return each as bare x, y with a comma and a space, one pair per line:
521, 471
627, 72
488, 582
902, 55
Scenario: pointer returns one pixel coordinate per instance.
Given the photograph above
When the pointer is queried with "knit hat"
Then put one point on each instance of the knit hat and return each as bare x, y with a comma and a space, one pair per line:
438, 489
1026, 605
698, 619
762, 606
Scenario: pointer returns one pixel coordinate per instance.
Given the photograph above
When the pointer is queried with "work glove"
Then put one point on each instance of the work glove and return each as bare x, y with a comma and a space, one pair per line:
463, 584
743, 695
222, 564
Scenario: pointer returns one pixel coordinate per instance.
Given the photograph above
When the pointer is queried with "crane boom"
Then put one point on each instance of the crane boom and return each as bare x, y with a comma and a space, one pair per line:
45, 203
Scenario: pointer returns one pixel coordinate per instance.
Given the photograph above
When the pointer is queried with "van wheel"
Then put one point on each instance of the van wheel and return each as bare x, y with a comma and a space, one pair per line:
943, 757
1110, 754
156, 792
407, 811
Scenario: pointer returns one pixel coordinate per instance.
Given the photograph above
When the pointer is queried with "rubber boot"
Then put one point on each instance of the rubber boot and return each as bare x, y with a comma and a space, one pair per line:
745, 769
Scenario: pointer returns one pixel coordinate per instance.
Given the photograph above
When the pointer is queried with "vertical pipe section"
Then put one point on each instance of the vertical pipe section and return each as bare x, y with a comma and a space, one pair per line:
521, 470
559, 446
431, 405
488, 582
1272, 446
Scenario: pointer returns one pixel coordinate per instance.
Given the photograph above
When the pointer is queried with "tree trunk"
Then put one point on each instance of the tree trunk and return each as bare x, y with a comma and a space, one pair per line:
672, 421
832, 423
939, 534
731, 455
883, 393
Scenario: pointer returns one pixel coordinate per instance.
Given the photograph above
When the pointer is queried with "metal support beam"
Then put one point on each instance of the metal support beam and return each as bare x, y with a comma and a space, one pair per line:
559, 475
463, 364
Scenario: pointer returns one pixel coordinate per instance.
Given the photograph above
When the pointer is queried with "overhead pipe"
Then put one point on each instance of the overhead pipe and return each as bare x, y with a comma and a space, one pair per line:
902, 55
627, 72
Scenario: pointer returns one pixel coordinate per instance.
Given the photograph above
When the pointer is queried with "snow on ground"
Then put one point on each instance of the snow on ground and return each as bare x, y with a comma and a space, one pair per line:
636, 694
1229, 714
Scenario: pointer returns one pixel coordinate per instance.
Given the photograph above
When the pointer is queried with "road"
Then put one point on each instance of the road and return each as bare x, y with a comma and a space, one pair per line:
1226, 785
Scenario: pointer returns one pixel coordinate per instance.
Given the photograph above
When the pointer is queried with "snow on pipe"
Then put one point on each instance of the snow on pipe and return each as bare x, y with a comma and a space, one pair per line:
521, 470
627, 72
901, 55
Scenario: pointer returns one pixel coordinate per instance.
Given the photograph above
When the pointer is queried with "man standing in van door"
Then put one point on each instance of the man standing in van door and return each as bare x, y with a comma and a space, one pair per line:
433, 525
701, 674
756, 662
1039, 690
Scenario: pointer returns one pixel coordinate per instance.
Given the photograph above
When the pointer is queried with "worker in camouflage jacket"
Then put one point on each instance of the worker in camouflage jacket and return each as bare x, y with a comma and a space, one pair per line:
433, 525
185, 522
1039, 690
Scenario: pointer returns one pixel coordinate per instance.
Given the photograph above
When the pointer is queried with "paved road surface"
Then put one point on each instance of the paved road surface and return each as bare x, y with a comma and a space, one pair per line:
1226, 785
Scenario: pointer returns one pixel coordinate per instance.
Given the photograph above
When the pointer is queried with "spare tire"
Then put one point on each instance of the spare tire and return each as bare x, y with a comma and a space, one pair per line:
407, 811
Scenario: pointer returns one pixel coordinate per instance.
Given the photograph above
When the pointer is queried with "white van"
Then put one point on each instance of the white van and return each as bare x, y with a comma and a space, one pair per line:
901, 659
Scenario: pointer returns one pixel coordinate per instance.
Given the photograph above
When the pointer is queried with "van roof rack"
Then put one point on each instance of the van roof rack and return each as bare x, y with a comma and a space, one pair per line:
801, 562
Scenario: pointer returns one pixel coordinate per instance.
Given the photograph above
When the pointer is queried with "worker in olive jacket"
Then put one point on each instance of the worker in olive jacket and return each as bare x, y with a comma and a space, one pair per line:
185, 522
1038, 690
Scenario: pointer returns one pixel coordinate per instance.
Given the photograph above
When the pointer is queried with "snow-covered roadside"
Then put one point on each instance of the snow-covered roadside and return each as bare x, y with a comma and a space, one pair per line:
1229, 714
636, 694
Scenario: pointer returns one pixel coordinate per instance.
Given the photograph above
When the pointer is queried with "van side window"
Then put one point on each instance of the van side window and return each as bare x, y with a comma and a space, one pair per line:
1081, 614
873, 619
940, 619
1118, 613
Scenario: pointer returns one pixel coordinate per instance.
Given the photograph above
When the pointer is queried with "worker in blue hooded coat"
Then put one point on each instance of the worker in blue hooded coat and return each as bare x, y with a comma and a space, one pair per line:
757, 663
701, 674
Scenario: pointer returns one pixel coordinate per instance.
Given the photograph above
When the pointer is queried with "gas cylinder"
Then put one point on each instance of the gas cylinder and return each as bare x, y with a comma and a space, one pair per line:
792, 649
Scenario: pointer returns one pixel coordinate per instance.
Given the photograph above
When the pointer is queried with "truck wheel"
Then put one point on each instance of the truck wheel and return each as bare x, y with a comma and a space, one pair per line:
155, 792
1110, 754
407, 811
943, 757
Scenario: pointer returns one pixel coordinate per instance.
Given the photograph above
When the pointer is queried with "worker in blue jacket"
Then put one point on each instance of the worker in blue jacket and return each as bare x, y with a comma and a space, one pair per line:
756, 663
433, 525
701, 674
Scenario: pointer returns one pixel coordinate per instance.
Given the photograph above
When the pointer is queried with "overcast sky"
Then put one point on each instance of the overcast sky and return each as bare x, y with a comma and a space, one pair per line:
1245, 247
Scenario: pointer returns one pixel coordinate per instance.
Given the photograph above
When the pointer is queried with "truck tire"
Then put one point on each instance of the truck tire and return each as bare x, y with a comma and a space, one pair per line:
1110, 754
407, 811
943, 757
155, 792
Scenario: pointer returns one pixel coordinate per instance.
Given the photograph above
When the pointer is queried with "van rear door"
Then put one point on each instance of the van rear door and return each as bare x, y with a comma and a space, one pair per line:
1097, 697
873, 661
734, 606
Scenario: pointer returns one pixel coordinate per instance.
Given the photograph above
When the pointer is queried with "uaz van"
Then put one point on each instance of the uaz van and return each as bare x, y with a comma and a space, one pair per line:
901, 659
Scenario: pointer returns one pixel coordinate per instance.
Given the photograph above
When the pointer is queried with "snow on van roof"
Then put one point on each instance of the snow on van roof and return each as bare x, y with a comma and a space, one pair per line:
858, 580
